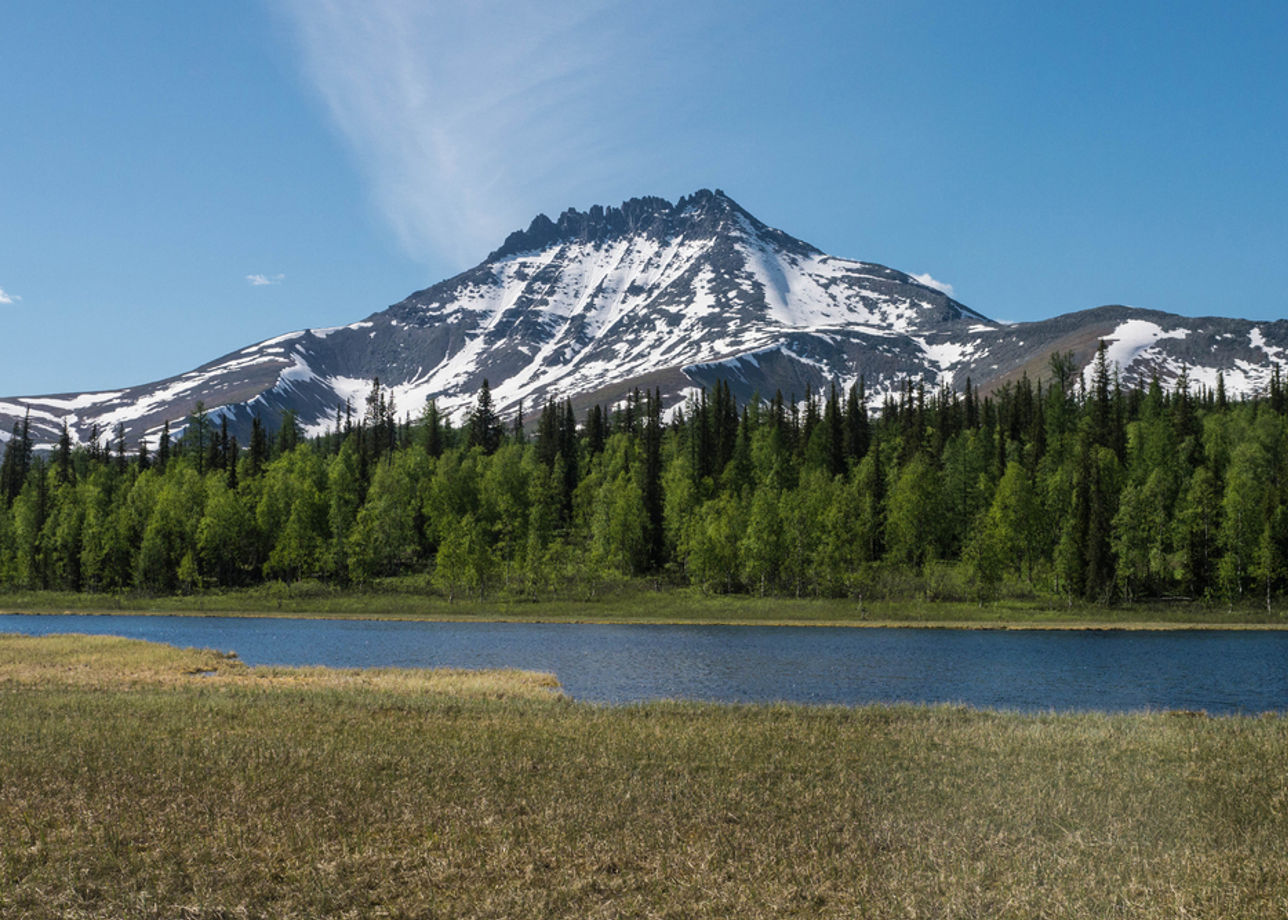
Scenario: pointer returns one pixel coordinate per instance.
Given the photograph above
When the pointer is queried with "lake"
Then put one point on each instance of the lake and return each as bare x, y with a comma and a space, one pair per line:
1218, 671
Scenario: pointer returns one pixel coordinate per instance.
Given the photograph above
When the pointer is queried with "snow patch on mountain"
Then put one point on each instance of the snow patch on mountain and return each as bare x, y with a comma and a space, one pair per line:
1244, 379
1257, 339
1133, 338
652, 294
945, 355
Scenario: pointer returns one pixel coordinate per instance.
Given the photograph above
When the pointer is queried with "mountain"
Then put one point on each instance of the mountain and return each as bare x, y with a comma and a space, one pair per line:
654, 294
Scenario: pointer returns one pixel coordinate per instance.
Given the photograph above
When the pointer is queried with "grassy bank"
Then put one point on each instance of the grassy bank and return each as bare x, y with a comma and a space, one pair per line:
114, 663
142, 788
643, 602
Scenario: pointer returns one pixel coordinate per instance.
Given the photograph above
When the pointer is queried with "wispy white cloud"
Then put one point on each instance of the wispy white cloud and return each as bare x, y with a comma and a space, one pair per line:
6, 297
261, 280
934, 283
468, 117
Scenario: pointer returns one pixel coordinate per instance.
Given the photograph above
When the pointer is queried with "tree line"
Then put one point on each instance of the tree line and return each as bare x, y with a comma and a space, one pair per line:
1060, 486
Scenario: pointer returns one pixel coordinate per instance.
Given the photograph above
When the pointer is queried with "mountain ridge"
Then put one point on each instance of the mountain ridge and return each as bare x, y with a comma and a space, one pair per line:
677, 296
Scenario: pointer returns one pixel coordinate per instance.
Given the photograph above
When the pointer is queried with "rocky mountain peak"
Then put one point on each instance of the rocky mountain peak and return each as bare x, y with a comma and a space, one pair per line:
653, 294
703, 214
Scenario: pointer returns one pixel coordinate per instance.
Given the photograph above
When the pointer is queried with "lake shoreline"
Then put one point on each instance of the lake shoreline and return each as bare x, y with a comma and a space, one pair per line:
638, 602
997, 625
1029, 667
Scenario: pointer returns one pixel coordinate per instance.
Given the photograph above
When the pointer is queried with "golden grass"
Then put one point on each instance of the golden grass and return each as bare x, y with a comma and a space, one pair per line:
111, 662
186, 798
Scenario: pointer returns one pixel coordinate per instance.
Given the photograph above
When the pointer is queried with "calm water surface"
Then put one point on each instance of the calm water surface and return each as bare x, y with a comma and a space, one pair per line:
1219, 671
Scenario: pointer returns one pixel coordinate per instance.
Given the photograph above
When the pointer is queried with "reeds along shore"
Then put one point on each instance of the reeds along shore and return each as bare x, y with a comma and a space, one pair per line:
138, 783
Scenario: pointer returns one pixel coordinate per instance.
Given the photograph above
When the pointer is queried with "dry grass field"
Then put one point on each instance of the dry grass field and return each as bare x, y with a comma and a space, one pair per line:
114, 663
143, 781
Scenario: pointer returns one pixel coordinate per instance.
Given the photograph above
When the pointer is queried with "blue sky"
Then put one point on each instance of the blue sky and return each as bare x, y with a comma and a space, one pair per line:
181, 180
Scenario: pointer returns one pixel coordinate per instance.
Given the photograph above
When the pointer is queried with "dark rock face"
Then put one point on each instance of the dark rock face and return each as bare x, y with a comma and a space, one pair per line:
704, 213
653, 294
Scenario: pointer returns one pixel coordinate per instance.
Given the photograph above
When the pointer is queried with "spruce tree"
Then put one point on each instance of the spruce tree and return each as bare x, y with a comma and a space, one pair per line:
258, 454
700, 439
218, 459
10, 482
484, 426
548, 434
725, 427
811, 414
432, 424
835, 433
196, 436
120, 447
230, 464
595, 431
63, 459
516, 427
288, 435
1100, 408
857, 434
163, 447
651, 487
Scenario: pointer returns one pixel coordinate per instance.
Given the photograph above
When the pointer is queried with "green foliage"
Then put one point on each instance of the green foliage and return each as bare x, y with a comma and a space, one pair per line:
1059, 488
712, 544
763, 544
386, 536
1008, 534
171, 530
463, 562
1243, 515
344, 495
226, 537
915, 518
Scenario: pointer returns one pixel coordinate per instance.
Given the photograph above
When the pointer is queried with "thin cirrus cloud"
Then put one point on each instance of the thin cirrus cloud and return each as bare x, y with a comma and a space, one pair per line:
465, 118
262, 280
7, 298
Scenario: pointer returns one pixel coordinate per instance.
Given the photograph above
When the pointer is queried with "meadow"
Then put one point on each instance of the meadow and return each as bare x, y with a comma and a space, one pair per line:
146, 781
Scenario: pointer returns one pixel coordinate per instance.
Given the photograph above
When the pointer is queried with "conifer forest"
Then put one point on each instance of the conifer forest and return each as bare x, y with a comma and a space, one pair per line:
1070, 485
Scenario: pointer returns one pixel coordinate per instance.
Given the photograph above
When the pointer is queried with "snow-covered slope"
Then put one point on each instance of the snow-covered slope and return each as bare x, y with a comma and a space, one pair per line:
652, 294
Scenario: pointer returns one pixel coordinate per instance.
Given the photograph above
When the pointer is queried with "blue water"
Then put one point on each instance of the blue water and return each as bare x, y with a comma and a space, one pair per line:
1213, 670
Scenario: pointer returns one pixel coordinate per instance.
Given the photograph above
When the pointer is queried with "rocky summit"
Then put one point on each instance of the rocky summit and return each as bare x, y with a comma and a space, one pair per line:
652, 294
